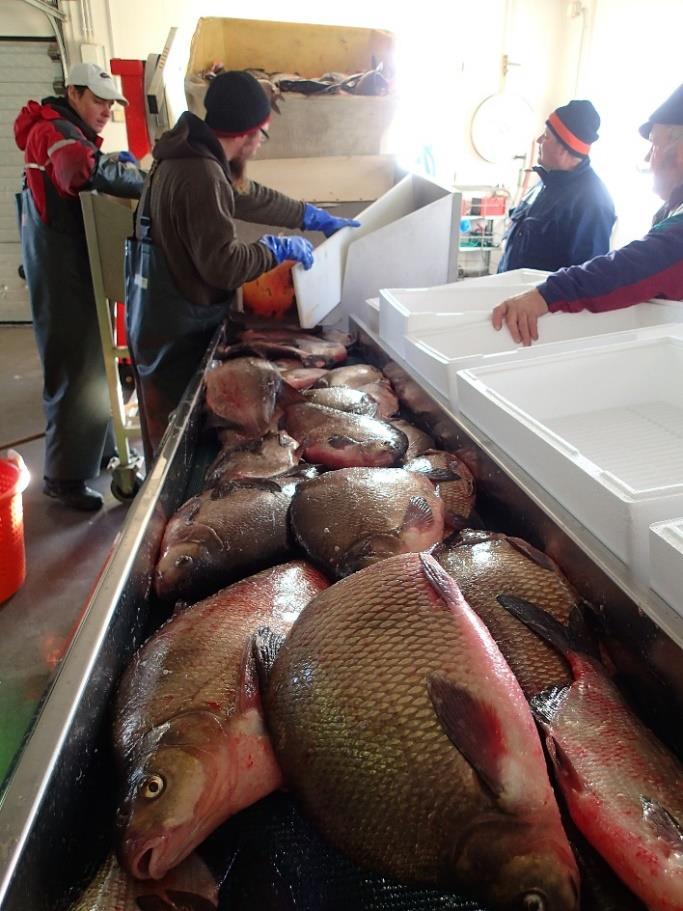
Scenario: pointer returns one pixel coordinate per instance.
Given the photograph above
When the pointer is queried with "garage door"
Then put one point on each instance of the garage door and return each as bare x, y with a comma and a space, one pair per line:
26, 71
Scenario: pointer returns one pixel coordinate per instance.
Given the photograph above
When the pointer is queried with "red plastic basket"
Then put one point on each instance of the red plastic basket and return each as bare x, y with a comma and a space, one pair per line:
13, 481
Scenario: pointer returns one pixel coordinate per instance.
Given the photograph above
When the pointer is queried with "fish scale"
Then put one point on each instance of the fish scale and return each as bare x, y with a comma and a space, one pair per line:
485, 565
361, 744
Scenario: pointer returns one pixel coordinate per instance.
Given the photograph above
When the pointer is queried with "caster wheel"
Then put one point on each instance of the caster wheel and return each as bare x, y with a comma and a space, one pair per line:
125, 488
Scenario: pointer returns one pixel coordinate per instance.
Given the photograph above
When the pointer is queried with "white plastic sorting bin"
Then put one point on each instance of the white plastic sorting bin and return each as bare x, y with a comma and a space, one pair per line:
666, 562
513, 277
404, 311
319, 290
600, 429
457, 342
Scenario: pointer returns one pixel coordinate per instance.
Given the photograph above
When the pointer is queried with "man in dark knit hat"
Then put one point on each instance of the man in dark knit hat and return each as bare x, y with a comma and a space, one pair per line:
646, 268
568, 216
186, 261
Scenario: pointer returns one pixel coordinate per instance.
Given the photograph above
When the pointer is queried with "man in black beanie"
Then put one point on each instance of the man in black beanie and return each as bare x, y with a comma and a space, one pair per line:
568, 216
185, 264
641, 270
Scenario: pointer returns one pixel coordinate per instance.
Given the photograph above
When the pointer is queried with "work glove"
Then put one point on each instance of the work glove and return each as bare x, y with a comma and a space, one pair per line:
316, 219
297, 248
128, 158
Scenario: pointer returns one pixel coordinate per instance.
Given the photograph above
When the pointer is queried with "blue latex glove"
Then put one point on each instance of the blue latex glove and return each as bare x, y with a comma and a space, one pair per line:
296, 248
126, 157
316, 219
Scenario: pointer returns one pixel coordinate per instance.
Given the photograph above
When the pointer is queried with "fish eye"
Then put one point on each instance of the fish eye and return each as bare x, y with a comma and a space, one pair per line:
534, 901
152, 787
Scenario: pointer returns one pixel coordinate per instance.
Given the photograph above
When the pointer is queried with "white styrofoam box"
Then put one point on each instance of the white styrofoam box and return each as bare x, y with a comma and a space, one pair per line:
666, 562
530, 277
418, 249
459, 341
404, 311
601, 429
319, 290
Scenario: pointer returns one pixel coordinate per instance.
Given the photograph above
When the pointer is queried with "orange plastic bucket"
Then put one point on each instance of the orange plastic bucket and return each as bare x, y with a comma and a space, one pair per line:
13, 480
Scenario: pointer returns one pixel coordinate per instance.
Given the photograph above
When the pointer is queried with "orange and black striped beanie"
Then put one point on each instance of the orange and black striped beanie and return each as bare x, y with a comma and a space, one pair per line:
576, 126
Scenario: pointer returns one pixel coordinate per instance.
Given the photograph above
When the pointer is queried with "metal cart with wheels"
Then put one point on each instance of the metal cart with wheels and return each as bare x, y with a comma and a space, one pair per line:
108, 222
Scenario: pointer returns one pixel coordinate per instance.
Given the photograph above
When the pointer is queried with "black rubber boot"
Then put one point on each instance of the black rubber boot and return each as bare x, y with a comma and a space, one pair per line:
74, 494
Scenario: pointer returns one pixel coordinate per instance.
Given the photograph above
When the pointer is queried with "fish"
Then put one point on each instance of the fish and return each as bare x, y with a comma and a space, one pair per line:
337, 439
353, 375
453, 481
189, 731
310, 350
273, 454
405, 736
350, 518
486, 564
188, 887
343, 398
222, 534
382, 392
418, 440
299, 377
623, 788
243, 394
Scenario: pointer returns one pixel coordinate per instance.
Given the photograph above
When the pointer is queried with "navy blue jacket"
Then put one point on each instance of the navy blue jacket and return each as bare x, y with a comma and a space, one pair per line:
564, 220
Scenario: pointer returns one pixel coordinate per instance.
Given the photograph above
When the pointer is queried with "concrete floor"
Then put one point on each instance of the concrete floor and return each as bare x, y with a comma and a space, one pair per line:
65, 551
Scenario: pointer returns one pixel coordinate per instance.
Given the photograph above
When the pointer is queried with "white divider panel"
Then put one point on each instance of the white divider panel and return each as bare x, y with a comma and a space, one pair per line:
420, 248
319, 290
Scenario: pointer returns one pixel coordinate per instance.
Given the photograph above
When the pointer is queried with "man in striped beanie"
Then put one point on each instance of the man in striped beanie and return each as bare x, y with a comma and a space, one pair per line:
568, 216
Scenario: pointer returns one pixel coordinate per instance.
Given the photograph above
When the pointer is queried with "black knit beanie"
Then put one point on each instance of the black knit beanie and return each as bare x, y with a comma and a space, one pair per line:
236, 104
670, 113
576, 126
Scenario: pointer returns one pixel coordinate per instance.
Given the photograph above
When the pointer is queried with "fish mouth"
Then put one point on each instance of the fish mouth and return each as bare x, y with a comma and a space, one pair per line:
148, 859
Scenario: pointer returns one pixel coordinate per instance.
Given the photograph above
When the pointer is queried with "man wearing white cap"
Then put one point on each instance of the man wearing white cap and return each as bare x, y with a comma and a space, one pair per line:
61, 144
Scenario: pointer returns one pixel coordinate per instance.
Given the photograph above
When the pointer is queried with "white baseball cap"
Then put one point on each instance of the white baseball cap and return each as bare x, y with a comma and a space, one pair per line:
97, 80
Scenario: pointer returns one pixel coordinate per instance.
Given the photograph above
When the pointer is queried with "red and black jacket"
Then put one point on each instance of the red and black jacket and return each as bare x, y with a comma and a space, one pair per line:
62, 157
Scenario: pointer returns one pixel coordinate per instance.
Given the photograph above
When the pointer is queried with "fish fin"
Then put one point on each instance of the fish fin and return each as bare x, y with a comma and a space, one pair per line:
418, 514
539, 620
444, 584
545, 705
663, 824
533, 553
444, 475
288, 395
472, 726
563, 764
265, 645
341, 442
580, 633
